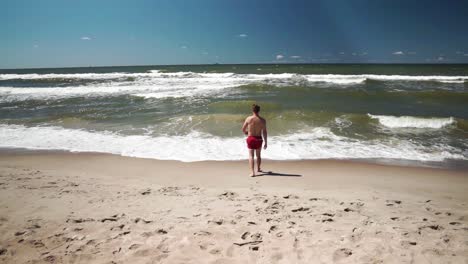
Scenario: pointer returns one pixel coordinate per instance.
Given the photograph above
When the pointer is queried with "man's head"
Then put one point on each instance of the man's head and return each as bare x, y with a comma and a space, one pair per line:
255, 108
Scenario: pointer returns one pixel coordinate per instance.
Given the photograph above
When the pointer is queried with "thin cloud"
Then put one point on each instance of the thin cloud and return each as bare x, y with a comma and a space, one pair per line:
466, 54
183, 47
295, 57
279, 57
440, 58
398, 53
411, 53
242, 35
85, 38
36, 46
342, 53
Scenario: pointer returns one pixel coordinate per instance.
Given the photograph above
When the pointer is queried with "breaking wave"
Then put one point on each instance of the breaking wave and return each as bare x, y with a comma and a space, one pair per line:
158, 84
317, 143
413, 122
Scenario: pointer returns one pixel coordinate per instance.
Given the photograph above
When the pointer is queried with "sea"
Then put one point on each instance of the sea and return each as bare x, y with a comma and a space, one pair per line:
410, 114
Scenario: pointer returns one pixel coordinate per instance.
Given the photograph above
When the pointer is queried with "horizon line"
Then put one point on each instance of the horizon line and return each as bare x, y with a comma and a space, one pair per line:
227, 64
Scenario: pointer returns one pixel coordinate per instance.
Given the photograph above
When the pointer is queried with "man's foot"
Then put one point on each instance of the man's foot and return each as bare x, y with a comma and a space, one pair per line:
252, 175
259, 170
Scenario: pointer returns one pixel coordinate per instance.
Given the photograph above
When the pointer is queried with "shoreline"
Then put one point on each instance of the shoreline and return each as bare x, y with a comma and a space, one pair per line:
453, 165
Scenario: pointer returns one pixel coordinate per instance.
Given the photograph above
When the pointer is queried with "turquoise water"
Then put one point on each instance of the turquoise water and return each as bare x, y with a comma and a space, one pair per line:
194, 112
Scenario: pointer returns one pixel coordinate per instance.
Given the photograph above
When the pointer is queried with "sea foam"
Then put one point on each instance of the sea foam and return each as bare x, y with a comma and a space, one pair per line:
338, 78
317, 143
413, 122
157, 84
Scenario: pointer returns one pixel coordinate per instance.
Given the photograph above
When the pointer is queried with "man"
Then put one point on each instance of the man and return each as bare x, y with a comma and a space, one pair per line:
254, 127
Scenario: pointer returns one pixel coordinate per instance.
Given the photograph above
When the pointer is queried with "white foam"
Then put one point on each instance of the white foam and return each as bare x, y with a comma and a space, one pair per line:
156, 84
453, 81
318, 143
413, 122
336, 78
311, 77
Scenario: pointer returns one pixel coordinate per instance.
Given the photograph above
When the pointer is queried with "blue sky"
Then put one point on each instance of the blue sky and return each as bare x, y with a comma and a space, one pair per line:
65, 33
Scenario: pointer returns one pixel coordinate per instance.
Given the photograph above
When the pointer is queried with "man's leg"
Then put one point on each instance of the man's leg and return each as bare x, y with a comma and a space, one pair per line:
258, 152
251, 161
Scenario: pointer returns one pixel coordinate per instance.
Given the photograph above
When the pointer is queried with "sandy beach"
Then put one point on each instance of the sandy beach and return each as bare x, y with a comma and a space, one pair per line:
98, 208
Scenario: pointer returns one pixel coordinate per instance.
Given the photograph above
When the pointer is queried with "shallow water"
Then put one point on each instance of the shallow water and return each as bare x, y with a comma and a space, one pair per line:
189, 113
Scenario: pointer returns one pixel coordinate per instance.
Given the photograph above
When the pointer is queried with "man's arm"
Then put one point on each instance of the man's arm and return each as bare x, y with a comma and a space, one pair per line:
244, 127
265, 135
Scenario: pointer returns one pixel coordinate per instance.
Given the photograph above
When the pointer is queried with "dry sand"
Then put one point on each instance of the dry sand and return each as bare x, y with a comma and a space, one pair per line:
96, 208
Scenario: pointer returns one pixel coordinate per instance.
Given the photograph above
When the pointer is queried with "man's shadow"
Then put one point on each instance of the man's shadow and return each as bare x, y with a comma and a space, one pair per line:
271, 173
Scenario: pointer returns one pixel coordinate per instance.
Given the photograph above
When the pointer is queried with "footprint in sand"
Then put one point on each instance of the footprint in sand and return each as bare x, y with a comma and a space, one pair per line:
161, 231
80, 220
275, 207
202, 233
170, 191
394, 201
300, 209
134, 246
256, 236
341, 254
37, 243
254, 248
216, 222
272, 229
50, 259
215, 251
138, 219
431, 227
228, 195
146, 192
291, 196
120, 227
445, 238
20, 233
34, 226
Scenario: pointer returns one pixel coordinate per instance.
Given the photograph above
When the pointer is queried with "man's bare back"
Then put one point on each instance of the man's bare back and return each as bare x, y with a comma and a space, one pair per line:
255, 125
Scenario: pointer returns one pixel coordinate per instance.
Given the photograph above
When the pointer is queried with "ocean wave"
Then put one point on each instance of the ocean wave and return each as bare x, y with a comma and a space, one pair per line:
161, 90
317, 143
333, 78
158, 84
413, 122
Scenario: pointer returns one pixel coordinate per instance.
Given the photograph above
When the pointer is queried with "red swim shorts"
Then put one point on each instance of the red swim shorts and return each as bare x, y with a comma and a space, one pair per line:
254, 142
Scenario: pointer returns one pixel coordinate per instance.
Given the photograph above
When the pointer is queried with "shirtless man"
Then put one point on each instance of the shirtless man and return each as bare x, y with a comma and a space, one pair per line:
254, 127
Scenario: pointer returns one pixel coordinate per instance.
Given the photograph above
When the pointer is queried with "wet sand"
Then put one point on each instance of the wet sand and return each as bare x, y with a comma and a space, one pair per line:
98, 208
